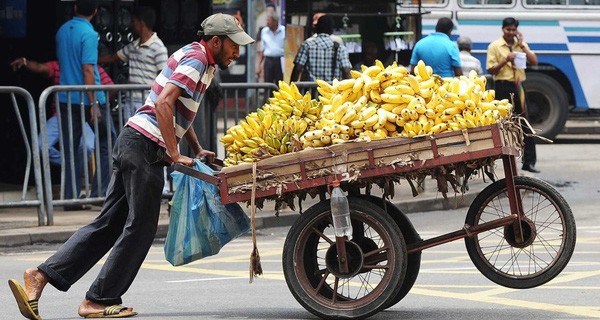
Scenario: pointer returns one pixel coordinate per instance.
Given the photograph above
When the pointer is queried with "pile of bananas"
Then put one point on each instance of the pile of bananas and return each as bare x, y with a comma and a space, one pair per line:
273, 129
384, 102
377, 102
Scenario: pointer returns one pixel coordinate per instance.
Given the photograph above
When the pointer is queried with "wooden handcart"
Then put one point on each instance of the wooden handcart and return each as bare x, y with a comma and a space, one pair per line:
519, 231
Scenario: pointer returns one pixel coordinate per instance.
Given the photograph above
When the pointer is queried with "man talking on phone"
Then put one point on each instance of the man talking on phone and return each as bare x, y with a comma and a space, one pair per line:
503, 64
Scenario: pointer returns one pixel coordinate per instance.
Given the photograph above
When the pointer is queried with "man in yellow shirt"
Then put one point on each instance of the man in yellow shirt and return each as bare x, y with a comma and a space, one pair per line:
502, 62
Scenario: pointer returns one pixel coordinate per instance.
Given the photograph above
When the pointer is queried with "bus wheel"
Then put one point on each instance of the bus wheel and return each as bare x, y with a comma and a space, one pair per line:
547, 104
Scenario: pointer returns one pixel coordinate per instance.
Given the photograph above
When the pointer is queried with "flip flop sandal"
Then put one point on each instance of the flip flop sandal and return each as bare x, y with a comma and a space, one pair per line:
28, 308
114, 311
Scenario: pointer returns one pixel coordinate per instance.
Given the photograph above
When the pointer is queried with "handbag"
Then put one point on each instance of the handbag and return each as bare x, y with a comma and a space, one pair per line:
199, 224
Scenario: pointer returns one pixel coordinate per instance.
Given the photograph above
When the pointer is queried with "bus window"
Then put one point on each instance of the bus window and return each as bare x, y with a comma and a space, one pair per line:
564, 2
483, 3
429, 3
546, 2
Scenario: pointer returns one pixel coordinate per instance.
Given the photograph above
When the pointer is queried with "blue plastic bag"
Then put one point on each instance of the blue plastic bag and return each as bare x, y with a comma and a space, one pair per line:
200, 225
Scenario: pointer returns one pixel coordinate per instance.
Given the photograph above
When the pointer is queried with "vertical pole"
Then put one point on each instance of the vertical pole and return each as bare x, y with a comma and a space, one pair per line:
340, 243
514, 199
250, 50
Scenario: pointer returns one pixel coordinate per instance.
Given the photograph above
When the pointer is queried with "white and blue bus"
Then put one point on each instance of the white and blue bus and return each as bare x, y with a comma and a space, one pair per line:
565, 35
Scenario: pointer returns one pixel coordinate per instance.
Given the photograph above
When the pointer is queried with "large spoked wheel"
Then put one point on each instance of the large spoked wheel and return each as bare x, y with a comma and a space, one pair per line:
548, 231
411, 236
376, 262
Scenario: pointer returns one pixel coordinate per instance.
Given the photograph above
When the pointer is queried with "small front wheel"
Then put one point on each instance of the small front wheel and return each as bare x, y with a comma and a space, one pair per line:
548, 231
376, 259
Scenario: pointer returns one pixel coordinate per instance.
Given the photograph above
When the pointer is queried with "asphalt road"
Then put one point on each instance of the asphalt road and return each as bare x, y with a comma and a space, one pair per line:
448, 285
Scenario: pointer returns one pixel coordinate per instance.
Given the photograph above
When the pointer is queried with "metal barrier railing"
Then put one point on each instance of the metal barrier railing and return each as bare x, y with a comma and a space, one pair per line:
32, 152
104, 134
237, 100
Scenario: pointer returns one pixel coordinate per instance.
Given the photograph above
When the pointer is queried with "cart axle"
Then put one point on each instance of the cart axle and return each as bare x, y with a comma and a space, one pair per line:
467, 231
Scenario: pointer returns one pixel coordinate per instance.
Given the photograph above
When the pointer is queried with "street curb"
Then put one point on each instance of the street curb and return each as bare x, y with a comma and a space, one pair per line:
263, 222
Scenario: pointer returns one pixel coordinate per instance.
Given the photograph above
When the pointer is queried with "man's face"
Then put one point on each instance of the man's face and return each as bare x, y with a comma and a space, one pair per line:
227, 53
509, 32
272, 23
136, 26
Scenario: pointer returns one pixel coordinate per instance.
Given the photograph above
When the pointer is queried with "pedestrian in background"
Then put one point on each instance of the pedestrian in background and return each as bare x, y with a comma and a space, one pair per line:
269, 8
315, 20
128, 220
438, 51
369, 55
320, 57
467, 61
272, 46
51, 70
146, 56
508, 78
77, 52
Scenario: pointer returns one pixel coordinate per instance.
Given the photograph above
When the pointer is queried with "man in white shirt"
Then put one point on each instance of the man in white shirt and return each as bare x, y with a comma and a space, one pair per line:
467, 61
272, 44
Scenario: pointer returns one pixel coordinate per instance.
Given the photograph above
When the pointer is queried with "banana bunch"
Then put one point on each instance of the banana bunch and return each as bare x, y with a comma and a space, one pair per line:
245, 139
262, 135
273, 129
326, 135
458, 103
289, 101
355, 103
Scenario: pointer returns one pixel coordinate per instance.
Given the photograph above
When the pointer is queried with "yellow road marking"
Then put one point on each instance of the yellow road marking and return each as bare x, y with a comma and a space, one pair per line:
580, 311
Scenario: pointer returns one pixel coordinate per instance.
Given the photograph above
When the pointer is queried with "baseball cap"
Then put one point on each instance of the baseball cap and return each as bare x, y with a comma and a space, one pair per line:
220, 24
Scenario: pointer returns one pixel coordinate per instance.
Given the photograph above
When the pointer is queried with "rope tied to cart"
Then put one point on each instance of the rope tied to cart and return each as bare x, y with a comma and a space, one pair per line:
255, 266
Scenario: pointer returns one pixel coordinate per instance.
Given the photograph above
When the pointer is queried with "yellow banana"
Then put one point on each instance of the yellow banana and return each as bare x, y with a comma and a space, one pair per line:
421, 71
390, 127
439, 127
372, 71
394, 98
357, 124
358, 84
452, 111
372, 120
414, 84
348, 117
382, 117
375, 96
345, 84
360, 103
250, 143
325, 85
355, 74
326, 140
341, 111
368, 112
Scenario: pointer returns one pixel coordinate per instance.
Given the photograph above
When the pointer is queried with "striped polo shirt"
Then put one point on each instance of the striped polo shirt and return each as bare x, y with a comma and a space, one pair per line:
191, 68
145, 61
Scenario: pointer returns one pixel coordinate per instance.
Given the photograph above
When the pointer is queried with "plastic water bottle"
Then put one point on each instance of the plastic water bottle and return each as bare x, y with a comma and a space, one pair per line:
340, 212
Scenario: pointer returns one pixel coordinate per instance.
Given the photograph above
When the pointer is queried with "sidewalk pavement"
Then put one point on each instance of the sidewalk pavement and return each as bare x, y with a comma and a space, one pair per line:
19, 226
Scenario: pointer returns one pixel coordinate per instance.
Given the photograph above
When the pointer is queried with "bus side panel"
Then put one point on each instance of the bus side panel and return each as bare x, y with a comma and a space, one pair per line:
553, 42
565, 65
584, 44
